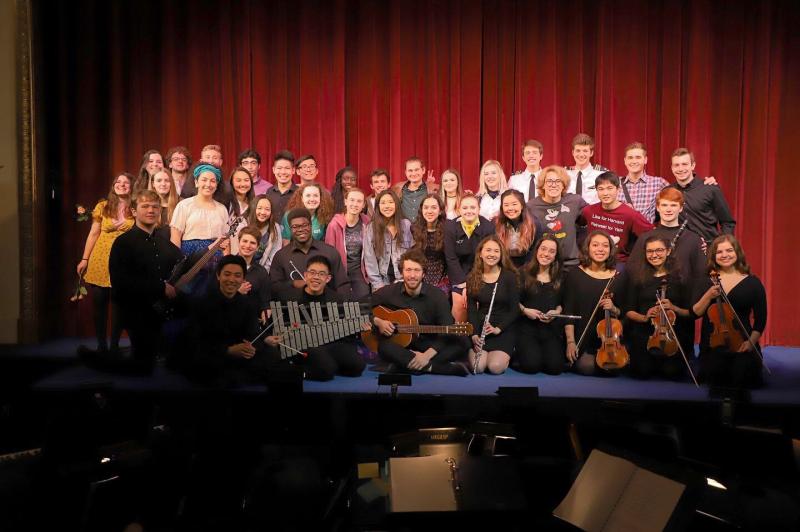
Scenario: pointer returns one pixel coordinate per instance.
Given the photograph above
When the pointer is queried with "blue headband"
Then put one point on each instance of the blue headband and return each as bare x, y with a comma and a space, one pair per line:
200, 168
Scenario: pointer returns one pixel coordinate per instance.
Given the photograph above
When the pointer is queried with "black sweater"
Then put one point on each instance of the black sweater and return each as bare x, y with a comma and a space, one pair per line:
460, 250
506, 303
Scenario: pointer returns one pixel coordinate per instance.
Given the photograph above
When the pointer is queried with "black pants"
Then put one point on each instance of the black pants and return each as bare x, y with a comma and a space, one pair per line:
101, 300
720, 367
455, 349
539, 348
644, 364
336, 358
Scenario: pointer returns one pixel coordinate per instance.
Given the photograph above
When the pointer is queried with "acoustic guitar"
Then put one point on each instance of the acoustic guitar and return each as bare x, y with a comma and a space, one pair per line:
407, 328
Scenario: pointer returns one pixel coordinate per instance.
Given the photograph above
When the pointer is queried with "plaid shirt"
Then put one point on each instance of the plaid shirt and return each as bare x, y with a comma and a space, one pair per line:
643, 194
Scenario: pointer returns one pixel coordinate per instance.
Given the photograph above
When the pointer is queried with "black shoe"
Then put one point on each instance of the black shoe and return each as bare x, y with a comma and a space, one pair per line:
384, 367
456, 369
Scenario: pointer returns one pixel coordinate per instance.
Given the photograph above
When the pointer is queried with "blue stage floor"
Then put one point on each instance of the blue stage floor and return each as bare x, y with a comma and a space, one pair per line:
782, 387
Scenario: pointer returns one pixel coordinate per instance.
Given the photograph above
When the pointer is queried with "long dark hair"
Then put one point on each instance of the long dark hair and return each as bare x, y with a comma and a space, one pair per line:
380, 222
526, 227
337, 190
475, 277
234, 206
144, 177
586, 261
113, 200
641, 270
252, 220
555, 269
419, 229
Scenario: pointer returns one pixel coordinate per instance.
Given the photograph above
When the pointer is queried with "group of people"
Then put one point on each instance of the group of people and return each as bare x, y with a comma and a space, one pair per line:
532, 262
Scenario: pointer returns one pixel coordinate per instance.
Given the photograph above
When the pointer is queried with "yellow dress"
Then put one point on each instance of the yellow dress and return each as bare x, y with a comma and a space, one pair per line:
97, 270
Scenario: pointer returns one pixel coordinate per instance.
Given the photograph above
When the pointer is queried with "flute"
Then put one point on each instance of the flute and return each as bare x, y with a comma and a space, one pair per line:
485, 324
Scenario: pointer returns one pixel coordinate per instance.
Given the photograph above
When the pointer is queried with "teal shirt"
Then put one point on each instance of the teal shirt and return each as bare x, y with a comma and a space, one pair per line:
317, 230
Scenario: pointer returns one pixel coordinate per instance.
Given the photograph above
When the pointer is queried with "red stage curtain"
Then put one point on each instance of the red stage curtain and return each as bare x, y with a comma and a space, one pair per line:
370, 83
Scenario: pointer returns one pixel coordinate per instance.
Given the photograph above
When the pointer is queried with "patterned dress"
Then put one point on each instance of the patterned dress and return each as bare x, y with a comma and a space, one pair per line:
97, 269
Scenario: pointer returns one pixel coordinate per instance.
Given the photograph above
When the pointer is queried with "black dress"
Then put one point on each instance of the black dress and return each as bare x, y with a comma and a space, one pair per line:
540, 346
640, 297
720, 367
581, 294
504, 312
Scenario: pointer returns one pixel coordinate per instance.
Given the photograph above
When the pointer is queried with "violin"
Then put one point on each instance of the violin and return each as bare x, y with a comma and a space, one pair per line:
612, 354
723, 318
662, 340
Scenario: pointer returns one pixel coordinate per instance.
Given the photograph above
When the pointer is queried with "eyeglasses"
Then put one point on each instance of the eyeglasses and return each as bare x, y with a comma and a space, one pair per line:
298, 227
315, 273
307, 167
552, 181
657, 251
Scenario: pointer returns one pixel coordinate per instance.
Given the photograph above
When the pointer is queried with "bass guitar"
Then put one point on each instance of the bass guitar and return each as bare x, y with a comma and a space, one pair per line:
407, 328
181, 277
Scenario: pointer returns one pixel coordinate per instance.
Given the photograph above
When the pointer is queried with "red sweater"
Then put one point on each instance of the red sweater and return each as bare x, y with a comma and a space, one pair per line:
620, 223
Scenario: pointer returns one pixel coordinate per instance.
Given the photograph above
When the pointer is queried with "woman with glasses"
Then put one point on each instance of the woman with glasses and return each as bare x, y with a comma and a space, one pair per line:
558, 210
657, 272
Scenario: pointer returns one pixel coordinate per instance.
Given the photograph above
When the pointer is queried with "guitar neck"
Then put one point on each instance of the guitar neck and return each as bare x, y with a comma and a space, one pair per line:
196, 267
430, 329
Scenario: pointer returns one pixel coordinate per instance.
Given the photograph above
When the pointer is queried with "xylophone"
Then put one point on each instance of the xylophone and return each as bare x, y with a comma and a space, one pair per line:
302, 326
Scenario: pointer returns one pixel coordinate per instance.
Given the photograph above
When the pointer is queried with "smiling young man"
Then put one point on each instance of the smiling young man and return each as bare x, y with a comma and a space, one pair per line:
335, 358
307, 169
687, 251
637, 188
427, 353
525, 181
250, 160
140, 264
583, 174
705, 206
282, 190
617, 219
216, 344
414, 189
290, 261
379, 180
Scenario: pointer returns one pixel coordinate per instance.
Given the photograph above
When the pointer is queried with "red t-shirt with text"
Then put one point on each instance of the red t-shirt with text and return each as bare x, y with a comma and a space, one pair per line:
620, 223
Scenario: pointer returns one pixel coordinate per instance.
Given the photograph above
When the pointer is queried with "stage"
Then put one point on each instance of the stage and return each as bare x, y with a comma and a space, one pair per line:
782, 386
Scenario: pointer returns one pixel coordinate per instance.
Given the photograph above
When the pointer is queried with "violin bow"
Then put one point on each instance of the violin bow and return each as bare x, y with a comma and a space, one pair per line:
589, 323
744, 329
675, 335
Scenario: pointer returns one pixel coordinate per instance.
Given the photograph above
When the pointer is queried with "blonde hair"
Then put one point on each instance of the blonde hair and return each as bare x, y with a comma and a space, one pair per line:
559, 171
482, 190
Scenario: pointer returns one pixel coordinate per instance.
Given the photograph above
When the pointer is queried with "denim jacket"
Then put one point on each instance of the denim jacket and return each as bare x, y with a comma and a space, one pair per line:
376, 267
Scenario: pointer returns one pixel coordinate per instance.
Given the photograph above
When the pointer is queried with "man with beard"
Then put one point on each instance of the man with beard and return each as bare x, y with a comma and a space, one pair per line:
428, 353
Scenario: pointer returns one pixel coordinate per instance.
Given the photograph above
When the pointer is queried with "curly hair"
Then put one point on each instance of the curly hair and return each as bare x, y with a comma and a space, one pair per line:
475, 277
324, 212
555, 269
380, 222
526, 227
419, 229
